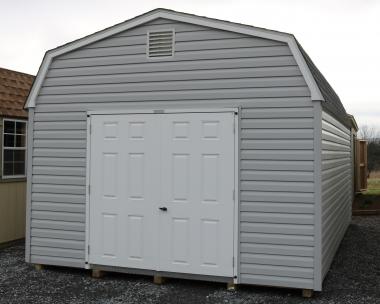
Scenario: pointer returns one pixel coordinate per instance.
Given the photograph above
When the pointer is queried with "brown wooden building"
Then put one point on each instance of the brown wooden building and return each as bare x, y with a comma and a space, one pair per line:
14, 89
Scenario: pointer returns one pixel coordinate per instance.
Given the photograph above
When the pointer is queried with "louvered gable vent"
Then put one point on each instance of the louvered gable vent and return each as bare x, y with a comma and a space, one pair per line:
160, 44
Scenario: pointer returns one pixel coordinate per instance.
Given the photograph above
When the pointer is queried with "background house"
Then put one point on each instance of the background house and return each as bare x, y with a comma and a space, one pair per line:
14, 89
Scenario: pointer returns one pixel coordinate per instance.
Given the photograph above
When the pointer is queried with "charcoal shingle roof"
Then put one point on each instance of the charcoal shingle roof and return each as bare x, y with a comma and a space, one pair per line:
332, 103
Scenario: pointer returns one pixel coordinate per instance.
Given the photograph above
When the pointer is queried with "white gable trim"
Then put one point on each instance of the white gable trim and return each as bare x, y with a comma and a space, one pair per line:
181, 17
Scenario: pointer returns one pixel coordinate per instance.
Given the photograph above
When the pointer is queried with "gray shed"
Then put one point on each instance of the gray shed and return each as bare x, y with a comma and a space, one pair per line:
178, 145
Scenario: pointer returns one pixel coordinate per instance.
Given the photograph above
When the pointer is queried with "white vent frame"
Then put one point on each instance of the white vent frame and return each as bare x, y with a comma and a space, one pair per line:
148, 55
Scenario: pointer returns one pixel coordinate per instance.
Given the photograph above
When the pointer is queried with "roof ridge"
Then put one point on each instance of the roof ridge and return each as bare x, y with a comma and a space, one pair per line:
172, 12
18, 72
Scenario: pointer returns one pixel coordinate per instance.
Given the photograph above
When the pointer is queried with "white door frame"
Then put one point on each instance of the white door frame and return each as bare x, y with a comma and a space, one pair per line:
169, 111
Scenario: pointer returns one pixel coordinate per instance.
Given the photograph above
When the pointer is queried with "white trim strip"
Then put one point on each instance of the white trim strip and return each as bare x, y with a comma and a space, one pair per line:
88, 172
236, 236
29, 153
161, 111
317, 109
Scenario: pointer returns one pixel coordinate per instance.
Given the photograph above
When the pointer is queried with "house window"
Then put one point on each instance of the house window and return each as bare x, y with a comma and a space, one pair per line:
14, 148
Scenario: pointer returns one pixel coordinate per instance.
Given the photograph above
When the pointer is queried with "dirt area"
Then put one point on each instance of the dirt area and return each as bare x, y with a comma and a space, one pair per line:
368, 202
374, 184
353, 278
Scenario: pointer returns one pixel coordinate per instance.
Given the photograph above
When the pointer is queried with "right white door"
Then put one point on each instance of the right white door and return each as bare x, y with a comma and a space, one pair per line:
196, 233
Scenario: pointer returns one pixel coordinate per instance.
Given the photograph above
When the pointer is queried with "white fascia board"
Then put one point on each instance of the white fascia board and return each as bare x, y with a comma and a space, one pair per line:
315, 92
30, 103
180, 17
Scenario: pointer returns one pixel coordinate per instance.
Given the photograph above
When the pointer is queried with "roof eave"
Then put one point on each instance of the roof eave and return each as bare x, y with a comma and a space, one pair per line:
353, 122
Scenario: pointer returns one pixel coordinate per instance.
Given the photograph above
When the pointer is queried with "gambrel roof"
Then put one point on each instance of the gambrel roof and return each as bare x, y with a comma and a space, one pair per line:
319, 88
332, 103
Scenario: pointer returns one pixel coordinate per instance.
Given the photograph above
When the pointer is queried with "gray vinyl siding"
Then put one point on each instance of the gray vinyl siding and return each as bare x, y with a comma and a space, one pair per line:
336, 186
210, 68
277, 196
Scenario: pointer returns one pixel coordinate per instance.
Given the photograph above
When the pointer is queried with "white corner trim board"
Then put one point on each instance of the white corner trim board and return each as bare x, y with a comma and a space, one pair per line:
181, 17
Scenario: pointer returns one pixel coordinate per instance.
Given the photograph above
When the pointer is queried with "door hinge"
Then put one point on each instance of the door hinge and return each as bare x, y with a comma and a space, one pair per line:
233, 261
233, 127
233, 195
88, 249
89, 189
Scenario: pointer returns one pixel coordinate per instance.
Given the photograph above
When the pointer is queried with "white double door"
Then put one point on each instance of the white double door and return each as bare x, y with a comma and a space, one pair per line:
162, 192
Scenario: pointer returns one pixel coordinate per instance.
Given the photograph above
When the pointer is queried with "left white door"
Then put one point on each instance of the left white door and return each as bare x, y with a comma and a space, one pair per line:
125, 193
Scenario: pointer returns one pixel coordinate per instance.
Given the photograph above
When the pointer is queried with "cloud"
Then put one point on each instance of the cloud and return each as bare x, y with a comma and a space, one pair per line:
341, 36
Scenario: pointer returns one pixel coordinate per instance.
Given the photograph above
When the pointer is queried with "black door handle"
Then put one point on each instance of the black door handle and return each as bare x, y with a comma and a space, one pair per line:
163, 209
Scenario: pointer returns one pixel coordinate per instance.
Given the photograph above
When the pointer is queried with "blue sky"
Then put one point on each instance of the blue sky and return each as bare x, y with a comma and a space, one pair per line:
341, 36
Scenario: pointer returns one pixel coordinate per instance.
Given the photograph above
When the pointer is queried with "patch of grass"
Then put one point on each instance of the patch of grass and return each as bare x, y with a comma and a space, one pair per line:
372, 192
374, 183
373, 187
374, 174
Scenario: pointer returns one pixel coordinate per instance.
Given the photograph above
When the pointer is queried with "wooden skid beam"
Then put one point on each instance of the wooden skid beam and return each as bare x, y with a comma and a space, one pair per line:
97, 274
157, 279
38, 267
231, 286
307, 293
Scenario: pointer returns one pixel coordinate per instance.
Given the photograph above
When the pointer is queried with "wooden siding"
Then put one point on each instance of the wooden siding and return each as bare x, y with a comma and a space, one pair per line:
210, 68
12, 210
336, 186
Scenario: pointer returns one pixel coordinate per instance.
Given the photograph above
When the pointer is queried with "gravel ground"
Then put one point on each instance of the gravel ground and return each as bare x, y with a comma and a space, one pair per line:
353, 278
